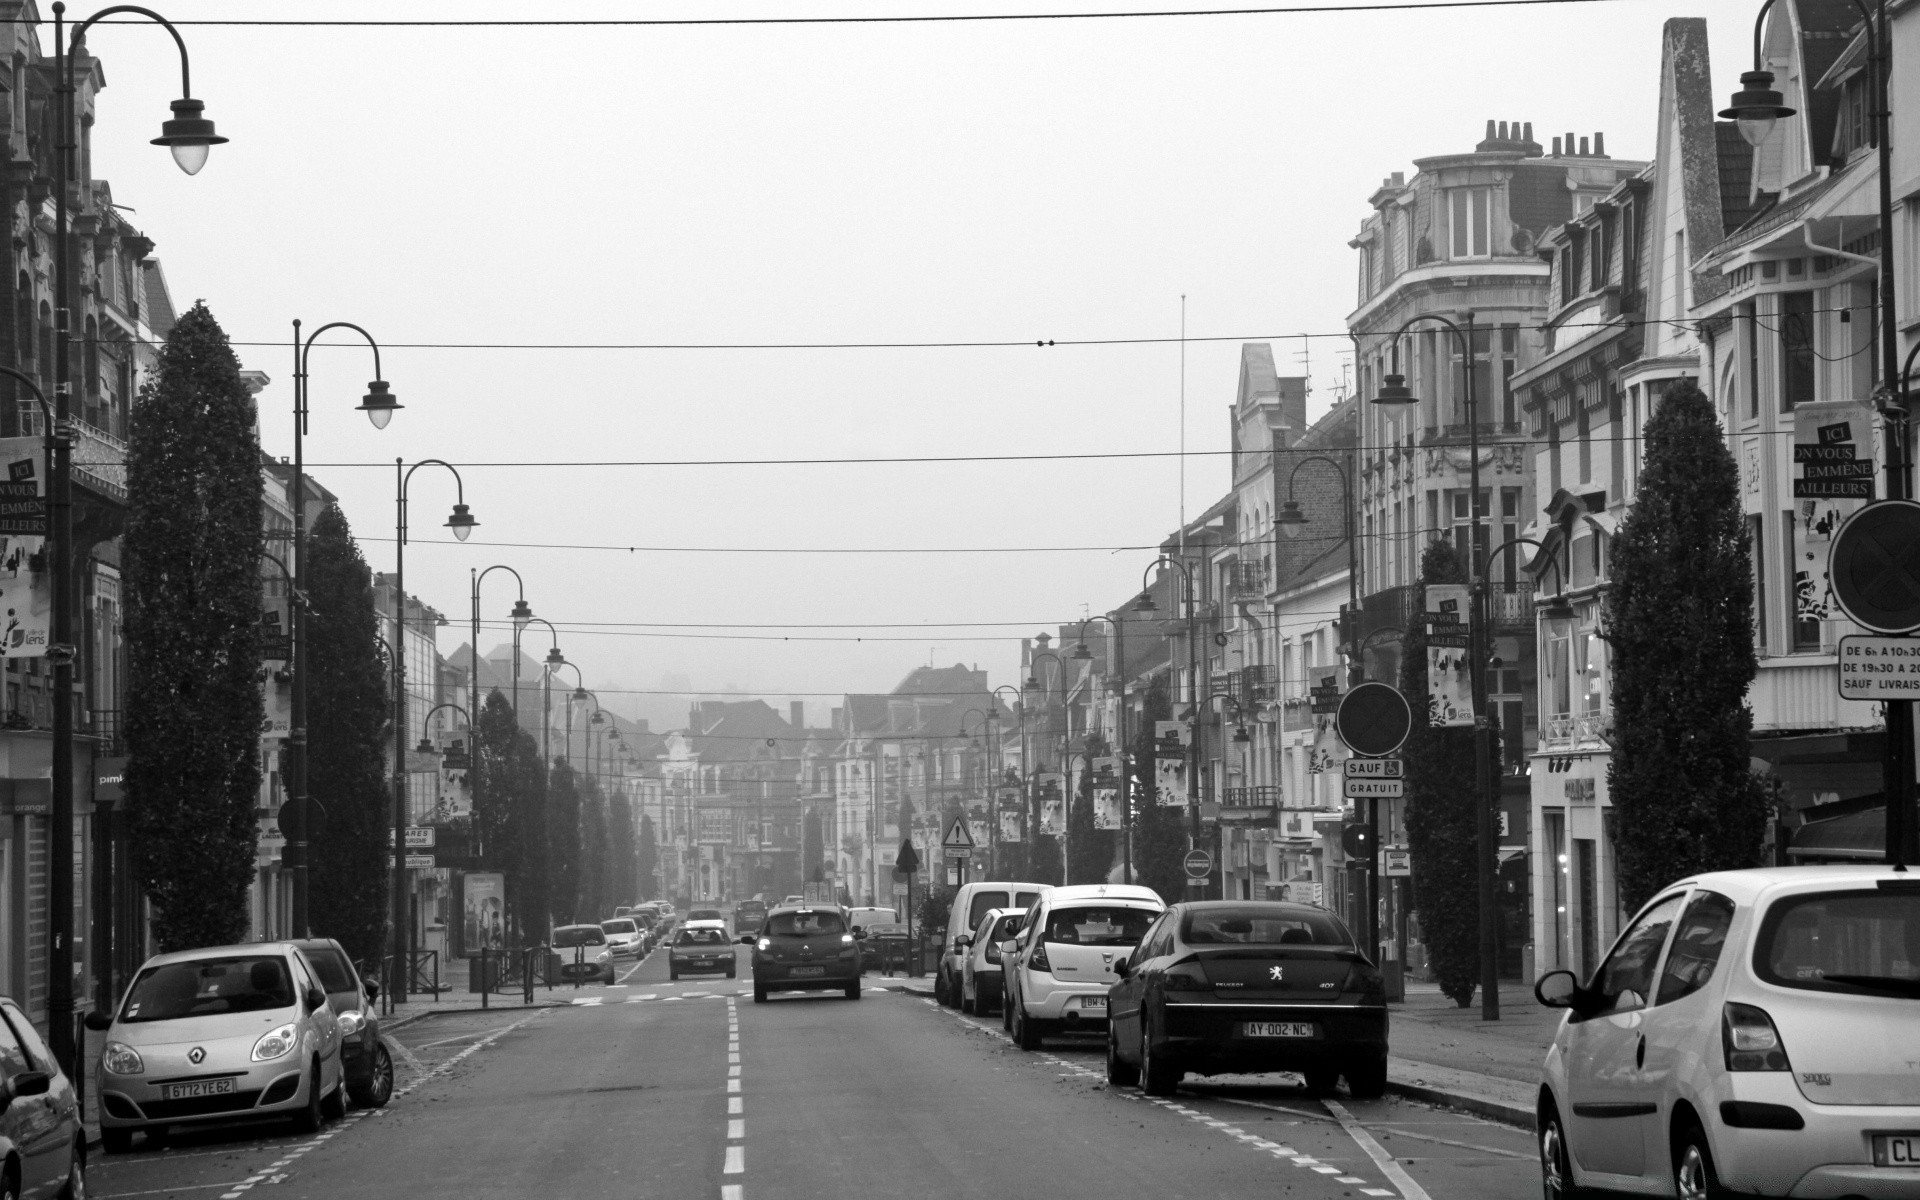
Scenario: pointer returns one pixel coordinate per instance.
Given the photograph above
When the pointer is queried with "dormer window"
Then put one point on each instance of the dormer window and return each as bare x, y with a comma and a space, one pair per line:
1468, 222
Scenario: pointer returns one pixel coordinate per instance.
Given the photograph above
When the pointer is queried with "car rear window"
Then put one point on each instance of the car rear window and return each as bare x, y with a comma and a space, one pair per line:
701, 937
705, 914
1257, 925
331, 965
208, 987
623, 925
982, 902
1097, 925
579, 935
804, 924
1850, 942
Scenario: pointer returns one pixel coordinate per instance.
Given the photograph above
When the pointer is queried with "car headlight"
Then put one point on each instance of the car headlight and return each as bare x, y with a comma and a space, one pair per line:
764, 944
846, 939
351, 1021
122, 1059
274, 1043
603, 956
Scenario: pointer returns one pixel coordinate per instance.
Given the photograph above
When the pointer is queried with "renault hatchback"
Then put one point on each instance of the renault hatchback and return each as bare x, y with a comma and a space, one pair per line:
1751, 1032
807, 948
1057, 971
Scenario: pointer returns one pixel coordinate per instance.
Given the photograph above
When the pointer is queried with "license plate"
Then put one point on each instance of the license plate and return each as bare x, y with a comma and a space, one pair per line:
1896, 1150
809, 971
1099, 1002
197, 1088
1277, 1029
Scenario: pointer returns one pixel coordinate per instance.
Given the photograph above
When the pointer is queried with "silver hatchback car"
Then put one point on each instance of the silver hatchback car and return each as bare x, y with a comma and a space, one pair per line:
227, 1033
1752, 1032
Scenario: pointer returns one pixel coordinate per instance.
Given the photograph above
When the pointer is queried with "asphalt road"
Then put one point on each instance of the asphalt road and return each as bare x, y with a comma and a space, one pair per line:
688, 1089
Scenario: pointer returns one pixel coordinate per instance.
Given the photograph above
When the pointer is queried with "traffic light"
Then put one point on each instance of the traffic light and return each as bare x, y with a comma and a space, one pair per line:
1358, 840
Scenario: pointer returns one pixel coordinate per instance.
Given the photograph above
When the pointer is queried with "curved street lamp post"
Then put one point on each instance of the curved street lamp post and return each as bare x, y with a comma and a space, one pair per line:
1146, 605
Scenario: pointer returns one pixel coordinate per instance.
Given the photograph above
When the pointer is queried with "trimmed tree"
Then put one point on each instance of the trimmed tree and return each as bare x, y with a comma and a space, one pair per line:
1090, 851
594, 889
509, 814
563, 842
1159, 831
813, 853
623, 883
1679, 621
347, 711
1441, 830
192, 588
648, 884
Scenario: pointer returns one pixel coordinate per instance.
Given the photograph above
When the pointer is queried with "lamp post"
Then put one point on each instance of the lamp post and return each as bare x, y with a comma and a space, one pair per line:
1146, 605
462, 523
520, 616
379, 405
1066, 743
188, 136
1242, 739
1755, 108
1017, 711
1117, 672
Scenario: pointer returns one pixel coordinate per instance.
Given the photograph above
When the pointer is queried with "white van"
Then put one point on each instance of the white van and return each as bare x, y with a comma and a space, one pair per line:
970, 905
868, 918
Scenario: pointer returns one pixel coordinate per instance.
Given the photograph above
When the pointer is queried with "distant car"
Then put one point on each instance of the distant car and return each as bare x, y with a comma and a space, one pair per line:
623, 936
585, 955
706, 914
1058, 969
648, 922
40, 1121
1247, 986
363, 1056
980, 972
229, 1032
749, 915
790, 901
701, 946
1750, 1033
805, 948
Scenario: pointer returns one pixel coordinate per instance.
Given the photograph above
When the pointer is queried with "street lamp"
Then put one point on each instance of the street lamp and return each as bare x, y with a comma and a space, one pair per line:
382, 411
520, 615
1145, 604
1117, 674
1293, 521
188, 135
461, 522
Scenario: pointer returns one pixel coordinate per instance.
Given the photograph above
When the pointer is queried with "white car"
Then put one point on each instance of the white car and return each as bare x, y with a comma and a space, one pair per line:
970, 904
624, 936
1752, 1032
1056, 971
980, 971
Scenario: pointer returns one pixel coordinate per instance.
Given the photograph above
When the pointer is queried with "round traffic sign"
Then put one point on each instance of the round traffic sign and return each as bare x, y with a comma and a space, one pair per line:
1199, 864
1874, 566
1373, 719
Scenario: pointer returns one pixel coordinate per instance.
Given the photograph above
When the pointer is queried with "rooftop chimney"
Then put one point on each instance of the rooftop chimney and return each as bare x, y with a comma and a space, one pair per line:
1556, 147
1599, 145
797, 713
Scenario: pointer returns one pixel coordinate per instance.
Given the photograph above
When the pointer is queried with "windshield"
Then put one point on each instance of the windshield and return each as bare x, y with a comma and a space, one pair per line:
754, 907
701, 937
206, 987
704, 914
1842, 942
331, 966
579, 935
620, 926
1104, 925
804, 924
982, 902
1262, 925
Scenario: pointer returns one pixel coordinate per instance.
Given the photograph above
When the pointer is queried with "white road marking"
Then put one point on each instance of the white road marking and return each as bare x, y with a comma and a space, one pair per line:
733, 1085
1395, 1173
736, 1160
736, 1129
730, 1191
734, 1104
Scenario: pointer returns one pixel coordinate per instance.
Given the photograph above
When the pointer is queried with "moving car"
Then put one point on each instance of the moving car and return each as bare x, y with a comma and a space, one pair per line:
623, 936
1058, 968
1749, 1033
970, 904
980, 972
700, 946
805, 947
363, 1056
749, 915
1247, 986
706, 914
40, 1122
584, 953
218, 1034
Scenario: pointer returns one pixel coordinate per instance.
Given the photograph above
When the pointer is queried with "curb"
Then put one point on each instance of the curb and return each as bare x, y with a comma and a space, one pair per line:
388, 1026
1479, 1106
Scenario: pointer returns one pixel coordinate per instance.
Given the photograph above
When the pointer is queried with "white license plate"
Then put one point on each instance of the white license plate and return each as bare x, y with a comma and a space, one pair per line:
1896, 1150
1277, 1029
195, 1089
1099, 1002
809, 971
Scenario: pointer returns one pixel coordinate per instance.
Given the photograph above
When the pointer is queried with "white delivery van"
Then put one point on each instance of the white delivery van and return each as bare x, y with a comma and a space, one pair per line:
970, 906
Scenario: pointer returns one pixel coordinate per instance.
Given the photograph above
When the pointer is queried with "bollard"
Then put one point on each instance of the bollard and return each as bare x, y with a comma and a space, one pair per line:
486, 979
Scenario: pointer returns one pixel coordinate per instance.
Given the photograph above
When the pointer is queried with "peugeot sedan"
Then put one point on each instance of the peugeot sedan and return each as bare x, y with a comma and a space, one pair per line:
226, 1033
700, 946
805, 948
1248, 986
1751, 1033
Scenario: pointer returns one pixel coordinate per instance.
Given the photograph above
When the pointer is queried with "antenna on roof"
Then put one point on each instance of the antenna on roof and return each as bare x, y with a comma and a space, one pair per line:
1305, 356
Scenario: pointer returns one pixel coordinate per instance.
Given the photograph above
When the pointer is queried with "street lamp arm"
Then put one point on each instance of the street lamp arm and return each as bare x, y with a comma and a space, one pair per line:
1483, 579
428, 719
308, 346
550, 629
1177, 565
482, 578
1314, 458
80, 36
46, 410
459, 485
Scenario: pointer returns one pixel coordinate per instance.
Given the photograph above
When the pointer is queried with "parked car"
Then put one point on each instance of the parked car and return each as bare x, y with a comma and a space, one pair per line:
648, 923
219, 1034
805, 948
1744, 1035
623, 936
980, 972
1247, 986
40, 1119
970, 904
363, 1056
1057, 969
585, 956
700, 946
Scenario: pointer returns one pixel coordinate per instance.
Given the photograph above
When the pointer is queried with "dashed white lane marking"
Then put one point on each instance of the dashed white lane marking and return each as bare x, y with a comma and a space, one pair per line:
1395, 1173
736, 1129
730, 1191
733, 1104
735, 1162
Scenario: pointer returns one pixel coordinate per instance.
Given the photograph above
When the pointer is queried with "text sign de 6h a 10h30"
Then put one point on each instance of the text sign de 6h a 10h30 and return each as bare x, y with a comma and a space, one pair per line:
1879, 668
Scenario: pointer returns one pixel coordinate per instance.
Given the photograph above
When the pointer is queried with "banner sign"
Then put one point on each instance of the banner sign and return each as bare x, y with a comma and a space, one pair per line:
1052, 818
1106, 808
977, 826
483, 907
1827, 463
1325, 694
1010, 826
26, 595
1170, 738
1170, 781
1449, 673
1105, 771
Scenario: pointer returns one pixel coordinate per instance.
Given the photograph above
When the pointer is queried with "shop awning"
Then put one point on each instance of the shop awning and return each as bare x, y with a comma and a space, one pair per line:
1855, 837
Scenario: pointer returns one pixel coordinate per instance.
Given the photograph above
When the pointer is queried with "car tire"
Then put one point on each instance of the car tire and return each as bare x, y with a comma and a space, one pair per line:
1368, 1080
116, 1140
1159, 1075
1321, 1081
1556, 1164
1006, 1013
333, 1105
759, 994
307, 1120
1026, 1034
673, 976
378, 1088
1120, 1072
853, 990
732, 973
9, 1186
76, 1186
941, 994
1693, 1175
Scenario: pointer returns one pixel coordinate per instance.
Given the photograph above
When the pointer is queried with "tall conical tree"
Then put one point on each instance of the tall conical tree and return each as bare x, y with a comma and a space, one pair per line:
813, 852
594, 885
623, 886
509, 814
648, 886
563, 842
347, 712
1441, 828
1678, 620
192, 588
1090, 851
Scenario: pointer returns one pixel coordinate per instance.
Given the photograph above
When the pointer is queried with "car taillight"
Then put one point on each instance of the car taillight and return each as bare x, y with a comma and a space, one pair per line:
993, 952
1037, 961
1750, 1040
1187, 977
1367, 982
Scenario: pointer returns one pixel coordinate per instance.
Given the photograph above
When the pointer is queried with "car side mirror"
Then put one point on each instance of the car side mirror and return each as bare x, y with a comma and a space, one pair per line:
315, 998
99, 1020
1557, 989
26, 1083
1120, 966
859, 934
746, 939
1010, 946
373, 990
962, 942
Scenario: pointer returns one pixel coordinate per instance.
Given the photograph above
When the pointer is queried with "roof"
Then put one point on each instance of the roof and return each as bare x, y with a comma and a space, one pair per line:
1760, 883
1736, 175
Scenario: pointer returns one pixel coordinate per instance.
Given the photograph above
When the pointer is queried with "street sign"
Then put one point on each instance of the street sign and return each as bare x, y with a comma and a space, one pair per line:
1374, 719
1879, 668
1373, 789
958, 837
1358, 840
1874, 567
419, 862
420, 837
1199, 864
901, 889
960, 852
1375, 768
1396, 860
908, 859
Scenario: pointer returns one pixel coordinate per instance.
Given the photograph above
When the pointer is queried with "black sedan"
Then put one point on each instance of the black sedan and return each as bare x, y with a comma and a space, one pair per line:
1232, 986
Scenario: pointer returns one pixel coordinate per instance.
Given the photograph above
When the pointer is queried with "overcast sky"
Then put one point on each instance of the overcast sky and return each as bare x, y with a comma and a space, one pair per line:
971, 181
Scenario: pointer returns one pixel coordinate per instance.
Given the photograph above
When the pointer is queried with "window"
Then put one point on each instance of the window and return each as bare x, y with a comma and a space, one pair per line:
805, 923
1842, 942
204, 987
1796, 349
1463, 527
1803, 589
1679, 275
1697, 943
1262, 926
1627, 975
1756, 537
1467, 222
1750, 333
1109, 926
1509, 360
1576, 262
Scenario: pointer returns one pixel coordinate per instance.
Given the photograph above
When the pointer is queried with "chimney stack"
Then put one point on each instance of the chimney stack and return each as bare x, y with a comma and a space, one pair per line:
797, 713
1556, 147
1583, 148
1599, 145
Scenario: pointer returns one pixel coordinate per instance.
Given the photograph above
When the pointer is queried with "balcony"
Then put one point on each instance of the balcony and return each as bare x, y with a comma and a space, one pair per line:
1390, 611
1247, 580
1511, 611
1250, 797
99, 458
1570, 731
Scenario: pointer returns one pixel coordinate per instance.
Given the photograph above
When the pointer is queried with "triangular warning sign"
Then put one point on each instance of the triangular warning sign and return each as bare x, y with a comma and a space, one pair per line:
957, 834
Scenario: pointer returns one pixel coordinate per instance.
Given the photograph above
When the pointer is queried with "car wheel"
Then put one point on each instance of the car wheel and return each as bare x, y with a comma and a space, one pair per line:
941, 994
1367, 1081
333, 1105
853, 990
9, 1186
378, 1088
673, 976
116, 1140
1026, 1034
1556, 1166
1693, 1174
1006, 1013
1320, 1080
1120, 1072
307, 1120
759, 994
1159, 1076
731, 972
76, 1185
